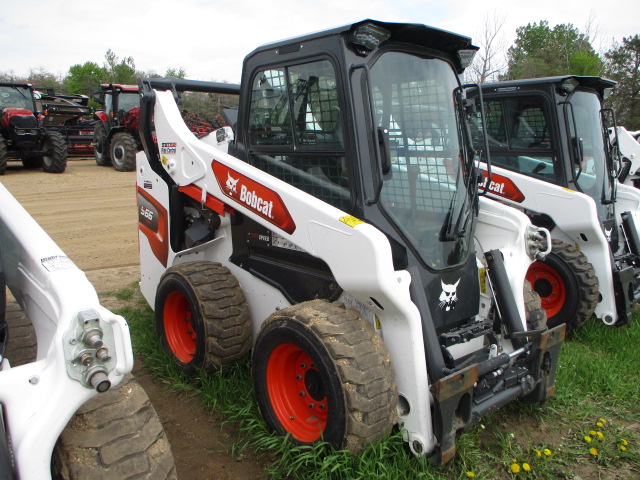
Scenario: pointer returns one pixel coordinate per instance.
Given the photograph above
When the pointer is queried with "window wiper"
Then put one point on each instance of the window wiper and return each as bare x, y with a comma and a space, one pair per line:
454, 226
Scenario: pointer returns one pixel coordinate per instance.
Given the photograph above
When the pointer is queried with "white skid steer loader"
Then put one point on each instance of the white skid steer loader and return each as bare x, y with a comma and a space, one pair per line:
551, 157
62, 352
372, 284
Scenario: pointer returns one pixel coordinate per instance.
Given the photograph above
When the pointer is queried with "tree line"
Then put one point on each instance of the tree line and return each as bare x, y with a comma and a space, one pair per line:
86, 78
539, 50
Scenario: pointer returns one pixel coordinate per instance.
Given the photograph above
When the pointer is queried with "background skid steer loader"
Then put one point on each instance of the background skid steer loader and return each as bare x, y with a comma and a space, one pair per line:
64, 356
551, 157
371, 282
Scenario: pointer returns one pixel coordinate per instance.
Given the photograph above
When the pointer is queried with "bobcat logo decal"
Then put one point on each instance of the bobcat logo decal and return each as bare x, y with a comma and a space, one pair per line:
231, 183
448, 297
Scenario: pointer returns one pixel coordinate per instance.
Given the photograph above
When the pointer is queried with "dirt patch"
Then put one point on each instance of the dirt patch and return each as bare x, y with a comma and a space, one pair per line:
90, 212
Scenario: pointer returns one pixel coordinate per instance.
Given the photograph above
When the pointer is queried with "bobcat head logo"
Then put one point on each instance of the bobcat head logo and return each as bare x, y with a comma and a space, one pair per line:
607, 234
448, 297
231, 183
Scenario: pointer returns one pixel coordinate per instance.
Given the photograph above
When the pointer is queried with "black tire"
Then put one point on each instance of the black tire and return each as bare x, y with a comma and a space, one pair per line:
4, 156
22, 347
202, 316
122, 150
116, 434
320, 360
100, 147
55, 158
567, 285
535, 314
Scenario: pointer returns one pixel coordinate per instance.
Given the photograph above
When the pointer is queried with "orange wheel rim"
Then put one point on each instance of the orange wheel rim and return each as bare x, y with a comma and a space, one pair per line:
547, 283
297, 392
178, 326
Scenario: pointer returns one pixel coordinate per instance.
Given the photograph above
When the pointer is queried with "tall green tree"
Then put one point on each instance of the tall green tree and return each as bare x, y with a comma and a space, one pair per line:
176, 72
120, 71
622, 63
84, 79
542, 51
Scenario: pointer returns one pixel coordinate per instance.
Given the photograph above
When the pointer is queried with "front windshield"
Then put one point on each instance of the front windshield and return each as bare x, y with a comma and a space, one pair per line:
592, 176
427, 193
126, 101
18, 97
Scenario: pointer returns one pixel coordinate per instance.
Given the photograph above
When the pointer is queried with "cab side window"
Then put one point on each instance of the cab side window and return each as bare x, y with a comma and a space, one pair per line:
519, 136
295, 130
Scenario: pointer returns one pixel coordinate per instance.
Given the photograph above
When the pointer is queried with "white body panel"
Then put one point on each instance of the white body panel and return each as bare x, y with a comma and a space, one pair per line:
358, 254
39, 398
576, 219
629, 148
628, 200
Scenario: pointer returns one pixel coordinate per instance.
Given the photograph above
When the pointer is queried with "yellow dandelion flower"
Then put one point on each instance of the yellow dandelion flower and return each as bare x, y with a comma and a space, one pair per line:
538, 452
547, 452
587, 439
593, 451
471, 474
515, 468
624, 442
623, 448
592, 433
602, 420
600, 424
600, 435
526, 467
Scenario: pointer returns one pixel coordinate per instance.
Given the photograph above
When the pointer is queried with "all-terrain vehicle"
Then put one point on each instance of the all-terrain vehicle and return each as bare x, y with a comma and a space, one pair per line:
551, 157
372, 289
69, 115
22, 133
115, 137
69, 407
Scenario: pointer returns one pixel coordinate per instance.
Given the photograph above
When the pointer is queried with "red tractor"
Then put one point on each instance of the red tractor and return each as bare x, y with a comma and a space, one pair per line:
22, 133
115, 137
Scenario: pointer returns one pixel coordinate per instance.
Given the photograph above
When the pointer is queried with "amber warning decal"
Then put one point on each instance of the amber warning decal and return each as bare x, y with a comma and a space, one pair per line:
254, 196
502, 187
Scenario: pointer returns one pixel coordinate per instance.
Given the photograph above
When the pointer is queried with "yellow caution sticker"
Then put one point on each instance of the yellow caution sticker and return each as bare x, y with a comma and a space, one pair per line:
164, 160
351, 221
482, 274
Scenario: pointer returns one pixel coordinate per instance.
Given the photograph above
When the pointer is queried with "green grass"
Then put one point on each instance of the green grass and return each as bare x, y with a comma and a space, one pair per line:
597, 379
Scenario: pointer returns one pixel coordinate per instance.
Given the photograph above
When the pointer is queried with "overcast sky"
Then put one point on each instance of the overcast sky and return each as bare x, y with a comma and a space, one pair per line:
209, 38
